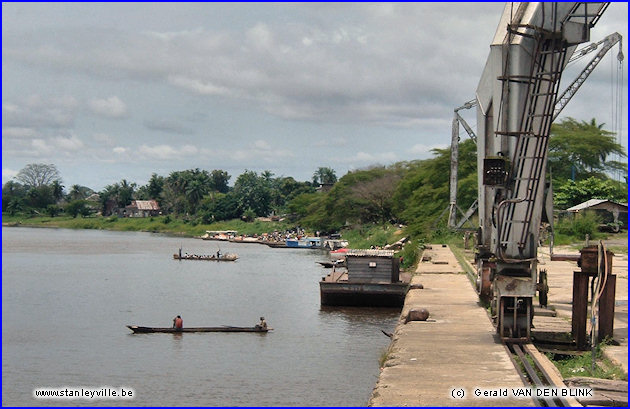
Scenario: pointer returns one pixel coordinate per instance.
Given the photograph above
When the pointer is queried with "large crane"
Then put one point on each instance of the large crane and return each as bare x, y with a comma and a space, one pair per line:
606, 44
516, 97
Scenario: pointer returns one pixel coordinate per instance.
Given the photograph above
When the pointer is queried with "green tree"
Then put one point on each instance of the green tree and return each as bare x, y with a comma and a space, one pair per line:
423, 192
53, 210
77, 207
13, 196
40, 197
578, 150
573, 193
57, 190
358, 197
78, 192
253, 192
125, 192
324, 175
155, 186
219, 181
220, 206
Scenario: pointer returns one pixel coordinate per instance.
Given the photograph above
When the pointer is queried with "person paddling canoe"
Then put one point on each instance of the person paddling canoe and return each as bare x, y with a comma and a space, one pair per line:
262, 324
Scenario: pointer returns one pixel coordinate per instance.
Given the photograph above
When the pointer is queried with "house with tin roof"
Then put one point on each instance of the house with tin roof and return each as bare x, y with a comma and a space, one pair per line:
140, 208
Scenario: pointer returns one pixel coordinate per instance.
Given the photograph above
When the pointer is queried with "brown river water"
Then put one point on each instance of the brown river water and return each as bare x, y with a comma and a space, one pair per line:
68, 294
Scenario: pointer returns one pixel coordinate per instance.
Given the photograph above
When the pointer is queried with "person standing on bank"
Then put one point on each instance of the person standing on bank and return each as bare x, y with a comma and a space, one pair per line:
178, 322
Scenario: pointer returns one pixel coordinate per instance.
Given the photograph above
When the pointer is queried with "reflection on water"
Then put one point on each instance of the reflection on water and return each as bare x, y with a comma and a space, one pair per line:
67, 296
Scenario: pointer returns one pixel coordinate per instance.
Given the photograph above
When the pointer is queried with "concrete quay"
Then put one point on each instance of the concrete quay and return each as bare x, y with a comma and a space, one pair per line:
443, 361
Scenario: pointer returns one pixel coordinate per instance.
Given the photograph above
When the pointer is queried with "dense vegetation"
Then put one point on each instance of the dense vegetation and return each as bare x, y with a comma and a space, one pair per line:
367, 202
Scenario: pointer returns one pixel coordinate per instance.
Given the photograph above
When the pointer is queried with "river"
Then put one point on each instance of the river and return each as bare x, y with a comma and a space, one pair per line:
68, 294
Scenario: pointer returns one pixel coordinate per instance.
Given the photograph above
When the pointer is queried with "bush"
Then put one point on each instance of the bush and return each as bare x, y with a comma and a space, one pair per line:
409, 253
249, 215
578, 227
53, 210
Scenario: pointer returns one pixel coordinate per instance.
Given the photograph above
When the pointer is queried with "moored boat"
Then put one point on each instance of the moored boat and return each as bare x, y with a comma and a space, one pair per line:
219, 235
149, 330
305, 243
372, 278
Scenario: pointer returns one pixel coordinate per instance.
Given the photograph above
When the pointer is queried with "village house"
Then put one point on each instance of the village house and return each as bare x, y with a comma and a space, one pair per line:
610, 212
140, 208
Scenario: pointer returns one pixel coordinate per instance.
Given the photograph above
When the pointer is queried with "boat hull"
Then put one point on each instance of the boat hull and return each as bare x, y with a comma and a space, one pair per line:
212, 258
362, 294
149, 330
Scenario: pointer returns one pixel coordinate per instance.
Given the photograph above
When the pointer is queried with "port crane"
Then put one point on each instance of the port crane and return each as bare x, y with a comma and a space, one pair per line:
515, 100
607, 43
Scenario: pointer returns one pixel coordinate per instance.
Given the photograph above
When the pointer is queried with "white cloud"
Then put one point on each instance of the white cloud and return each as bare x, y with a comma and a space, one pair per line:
40, 147
119, 150
364, 158
260, 36
197, 86
8, 174
166, 151
112, 107
71, 144
425, 150
18, 132
263, 145
38, 112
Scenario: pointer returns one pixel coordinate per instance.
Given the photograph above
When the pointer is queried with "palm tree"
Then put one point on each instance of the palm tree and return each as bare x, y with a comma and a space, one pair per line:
75, 193
57, 190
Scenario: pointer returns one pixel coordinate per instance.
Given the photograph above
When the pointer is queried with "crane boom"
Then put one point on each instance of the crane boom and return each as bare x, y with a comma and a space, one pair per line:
566, 96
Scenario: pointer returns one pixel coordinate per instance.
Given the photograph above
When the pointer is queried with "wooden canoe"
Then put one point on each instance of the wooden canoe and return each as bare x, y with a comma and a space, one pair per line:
227, 257
149, 330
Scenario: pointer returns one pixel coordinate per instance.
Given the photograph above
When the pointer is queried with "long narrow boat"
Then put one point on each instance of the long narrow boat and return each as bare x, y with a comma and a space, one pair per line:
148, 330
227, 257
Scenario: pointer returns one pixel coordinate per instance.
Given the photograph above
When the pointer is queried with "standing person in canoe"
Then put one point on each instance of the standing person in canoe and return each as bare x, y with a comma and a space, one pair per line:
178, 322
262, 324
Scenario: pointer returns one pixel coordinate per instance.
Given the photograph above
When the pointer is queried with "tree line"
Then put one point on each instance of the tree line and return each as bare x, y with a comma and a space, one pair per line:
412, 193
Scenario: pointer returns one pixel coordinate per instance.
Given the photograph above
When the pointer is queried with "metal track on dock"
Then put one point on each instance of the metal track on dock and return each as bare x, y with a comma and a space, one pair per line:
540, 375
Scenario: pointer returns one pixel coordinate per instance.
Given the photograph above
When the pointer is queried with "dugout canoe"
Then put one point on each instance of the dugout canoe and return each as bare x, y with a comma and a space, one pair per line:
149, 330
227, 257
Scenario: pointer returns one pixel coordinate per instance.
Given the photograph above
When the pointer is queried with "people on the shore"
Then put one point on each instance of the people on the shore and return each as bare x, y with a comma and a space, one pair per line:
178, 322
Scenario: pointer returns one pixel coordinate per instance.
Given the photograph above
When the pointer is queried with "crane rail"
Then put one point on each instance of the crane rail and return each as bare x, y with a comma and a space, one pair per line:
536, 370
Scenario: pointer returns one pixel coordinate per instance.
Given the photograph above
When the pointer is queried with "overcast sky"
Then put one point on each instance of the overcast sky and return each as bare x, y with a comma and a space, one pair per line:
111, 91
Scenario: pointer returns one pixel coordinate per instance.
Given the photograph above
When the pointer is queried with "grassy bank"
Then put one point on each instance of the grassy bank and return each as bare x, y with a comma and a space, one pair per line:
158, 224
358, 237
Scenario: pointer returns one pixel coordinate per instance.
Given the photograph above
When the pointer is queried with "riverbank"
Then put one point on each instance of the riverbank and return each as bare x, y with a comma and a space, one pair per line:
359, 237
159, 224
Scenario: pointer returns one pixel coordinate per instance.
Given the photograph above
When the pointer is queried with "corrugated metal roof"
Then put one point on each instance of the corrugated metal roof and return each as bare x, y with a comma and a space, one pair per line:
371, 253
146, 205
591, 203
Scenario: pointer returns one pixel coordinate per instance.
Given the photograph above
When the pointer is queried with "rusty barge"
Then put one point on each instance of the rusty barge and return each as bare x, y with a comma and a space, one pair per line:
371, 278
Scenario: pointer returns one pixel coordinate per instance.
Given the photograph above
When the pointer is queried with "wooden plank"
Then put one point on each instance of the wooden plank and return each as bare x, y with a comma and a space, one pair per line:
607, 308
580, 300
550, 371
599, 384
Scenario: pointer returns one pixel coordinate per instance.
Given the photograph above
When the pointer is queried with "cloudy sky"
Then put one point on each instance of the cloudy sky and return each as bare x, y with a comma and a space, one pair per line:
111, 91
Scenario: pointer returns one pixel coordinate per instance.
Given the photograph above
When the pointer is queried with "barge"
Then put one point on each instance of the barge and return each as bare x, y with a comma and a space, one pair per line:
371, 278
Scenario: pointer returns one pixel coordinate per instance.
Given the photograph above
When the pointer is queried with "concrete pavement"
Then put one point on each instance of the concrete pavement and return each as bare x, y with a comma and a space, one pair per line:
444, 360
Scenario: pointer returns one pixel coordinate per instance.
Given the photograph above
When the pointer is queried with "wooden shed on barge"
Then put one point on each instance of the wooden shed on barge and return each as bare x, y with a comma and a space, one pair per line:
372, 279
